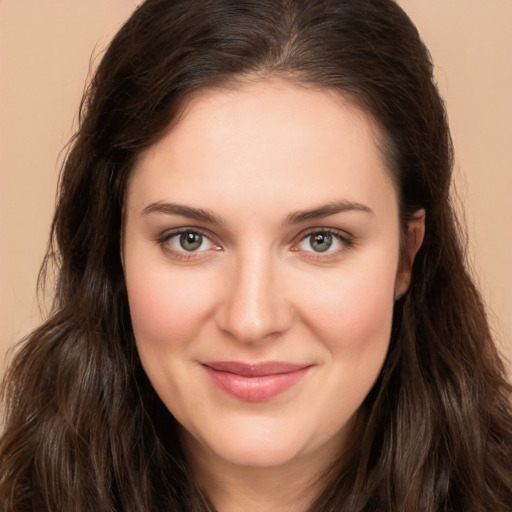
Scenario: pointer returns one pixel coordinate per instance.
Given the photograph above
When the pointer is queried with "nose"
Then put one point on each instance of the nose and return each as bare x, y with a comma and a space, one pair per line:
254, 306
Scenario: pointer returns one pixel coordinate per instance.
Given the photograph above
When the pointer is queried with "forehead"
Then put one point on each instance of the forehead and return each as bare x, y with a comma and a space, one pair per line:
265, 139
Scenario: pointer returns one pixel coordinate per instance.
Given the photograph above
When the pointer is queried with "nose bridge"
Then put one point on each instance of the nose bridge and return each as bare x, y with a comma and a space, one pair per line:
254, 306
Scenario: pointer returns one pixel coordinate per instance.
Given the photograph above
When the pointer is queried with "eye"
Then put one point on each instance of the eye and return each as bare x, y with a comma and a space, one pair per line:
190, 241
320, 242
187, 241
323, 241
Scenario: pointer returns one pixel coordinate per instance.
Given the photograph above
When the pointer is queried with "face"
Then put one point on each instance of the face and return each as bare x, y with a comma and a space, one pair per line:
261, 251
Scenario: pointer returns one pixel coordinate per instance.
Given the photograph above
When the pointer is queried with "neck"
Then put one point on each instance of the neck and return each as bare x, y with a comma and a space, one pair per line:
291, 487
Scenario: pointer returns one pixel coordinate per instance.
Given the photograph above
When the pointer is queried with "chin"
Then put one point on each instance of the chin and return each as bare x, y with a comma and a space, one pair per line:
259, 455
251, 443
263, 442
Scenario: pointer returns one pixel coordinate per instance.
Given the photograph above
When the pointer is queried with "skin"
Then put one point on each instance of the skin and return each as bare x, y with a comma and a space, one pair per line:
255, 289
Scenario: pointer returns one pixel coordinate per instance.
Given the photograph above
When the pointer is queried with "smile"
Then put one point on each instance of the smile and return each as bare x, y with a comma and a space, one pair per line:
255, 382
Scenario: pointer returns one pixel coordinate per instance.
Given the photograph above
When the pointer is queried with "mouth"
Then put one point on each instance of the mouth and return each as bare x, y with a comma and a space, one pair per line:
255, 382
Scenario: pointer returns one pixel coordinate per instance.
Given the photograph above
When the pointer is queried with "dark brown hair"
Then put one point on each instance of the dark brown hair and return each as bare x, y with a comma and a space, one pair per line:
84, 430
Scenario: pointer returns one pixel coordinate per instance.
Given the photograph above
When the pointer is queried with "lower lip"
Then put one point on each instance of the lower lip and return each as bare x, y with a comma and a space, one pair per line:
255, 389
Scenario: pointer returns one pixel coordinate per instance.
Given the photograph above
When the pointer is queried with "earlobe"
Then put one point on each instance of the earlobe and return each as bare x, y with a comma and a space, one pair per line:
414, 239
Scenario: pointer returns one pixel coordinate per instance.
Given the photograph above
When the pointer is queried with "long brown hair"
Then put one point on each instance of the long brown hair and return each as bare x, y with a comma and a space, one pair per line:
84, 430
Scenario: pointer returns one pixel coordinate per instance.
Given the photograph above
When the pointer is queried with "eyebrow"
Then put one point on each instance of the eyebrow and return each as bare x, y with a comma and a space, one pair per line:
325, 211
297, 217
184, 211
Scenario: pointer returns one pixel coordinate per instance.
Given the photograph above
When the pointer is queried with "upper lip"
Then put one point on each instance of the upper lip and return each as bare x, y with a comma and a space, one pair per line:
254, 369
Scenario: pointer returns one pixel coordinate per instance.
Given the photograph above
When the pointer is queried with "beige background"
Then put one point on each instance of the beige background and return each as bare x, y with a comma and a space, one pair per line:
45, 52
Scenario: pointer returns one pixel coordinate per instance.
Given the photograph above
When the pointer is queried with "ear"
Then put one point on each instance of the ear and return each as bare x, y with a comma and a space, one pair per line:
411, 245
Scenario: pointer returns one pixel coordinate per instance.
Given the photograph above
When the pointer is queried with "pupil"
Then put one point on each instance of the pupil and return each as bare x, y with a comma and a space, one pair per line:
191, 241
321, 242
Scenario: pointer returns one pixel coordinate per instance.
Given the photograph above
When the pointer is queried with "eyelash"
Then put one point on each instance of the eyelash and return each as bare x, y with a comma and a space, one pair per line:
346, 240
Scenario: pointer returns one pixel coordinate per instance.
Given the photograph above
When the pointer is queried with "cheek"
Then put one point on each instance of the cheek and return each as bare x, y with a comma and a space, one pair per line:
367, 307
354, 308
166, 306
356, 331
351, 317
353, 322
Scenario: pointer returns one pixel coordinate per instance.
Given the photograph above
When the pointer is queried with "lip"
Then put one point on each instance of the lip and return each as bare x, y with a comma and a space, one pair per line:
255, 382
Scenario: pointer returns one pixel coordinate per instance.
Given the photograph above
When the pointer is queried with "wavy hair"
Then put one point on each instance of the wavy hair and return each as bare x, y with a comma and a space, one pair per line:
84, 430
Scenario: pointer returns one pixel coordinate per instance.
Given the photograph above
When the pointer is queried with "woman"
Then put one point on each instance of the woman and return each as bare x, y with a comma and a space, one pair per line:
261, 303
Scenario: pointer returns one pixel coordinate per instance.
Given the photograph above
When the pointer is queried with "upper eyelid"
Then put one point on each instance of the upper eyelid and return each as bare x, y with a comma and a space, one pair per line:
341, 233
169, 233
